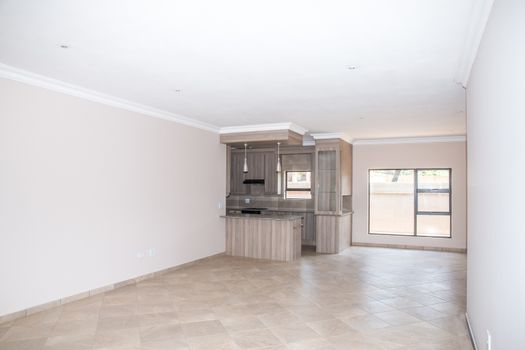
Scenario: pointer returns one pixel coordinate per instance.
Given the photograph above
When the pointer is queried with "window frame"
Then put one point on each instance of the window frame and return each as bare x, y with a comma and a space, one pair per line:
302, 189
417, 212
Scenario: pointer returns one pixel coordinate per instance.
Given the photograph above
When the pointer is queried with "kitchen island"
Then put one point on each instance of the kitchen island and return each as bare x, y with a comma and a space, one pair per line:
263, 236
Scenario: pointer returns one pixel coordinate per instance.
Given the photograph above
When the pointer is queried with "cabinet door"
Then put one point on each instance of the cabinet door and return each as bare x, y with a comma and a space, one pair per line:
236, 175
326, 234
309, 229
270, 177
255, 162
327, 184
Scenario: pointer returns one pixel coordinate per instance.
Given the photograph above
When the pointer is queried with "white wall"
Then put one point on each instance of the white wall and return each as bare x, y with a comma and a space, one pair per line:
496, 182
410, 155
84, 187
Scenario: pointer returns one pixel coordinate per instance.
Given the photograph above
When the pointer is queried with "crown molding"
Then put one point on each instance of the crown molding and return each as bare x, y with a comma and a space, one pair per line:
263, 127
401, 140
308, 143
23, 76
476, 27
331, 135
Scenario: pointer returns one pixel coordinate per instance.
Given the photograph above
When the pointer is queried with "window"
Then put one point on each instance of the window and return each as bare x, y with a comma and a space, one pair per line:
410, 202
298, 184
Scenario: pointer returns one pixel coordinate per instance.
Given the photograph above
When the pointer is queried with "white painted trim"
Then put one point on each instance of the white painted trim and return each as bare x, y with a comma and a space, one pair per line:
428, 139
23, 76
263, 127
308, 142
477, 23
331, 135
471, 334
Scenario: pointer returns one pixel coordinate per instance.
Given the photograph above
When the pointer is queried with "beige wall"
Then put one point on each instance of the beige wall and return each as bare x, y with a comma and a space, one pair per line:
411, 155
84, 187
496, 142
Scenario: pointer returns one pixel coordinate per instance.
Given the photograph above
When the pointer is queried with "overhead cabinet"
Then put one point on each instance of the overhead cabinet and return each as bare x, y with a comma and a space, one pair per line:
261, 166
237, 175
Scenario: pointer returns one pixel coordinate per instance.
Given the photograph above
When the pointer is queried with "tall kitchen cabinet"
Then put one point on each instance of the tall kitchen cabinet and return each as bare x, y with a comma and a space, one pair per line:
333, 190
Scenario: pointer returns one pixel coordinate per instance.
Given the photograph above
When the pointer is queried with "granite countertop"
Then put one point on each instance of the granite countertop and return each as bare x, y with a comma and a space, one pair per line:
288, 210
263, 216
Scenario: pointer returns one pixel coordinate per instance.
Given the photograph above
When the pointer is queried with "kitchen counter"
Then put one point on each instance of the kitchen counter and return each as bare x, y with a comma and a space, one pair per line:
263, 236
275, 209
264, 216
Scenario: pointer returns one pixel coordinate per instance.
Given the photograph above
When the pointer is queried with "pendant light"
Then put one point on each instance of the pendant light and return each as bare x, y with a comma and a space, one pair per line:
278, 158
245, 167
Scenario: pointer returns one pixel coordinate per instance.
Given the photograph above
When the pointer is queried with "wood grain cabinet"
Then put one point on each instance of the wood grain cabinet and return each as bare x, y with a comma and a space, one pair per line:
256, 163
333, 175
236, 174
333, 233
270, 174
333, 182
261, 165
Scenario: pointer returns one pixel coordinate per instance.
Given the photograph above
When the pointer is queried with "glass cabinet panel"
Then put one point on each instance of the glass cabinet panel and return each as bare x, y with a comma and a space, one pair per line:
327, 186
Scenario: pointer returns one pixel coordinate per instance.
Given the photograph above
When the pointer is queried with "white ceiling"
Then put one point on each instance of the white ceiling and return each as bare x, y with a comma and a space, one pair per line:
254, 62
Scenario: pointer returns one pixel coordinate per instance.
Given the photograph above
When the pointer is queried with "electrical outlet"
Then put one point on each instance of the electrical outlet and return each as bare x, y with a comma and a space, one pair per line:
246, 200
219, 205
152, 252
489, 340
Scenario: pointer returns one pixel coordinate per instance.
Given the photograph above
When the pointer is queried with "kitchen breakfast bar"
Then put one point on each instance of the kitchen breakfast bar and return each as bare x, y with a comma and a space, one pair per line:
266, 236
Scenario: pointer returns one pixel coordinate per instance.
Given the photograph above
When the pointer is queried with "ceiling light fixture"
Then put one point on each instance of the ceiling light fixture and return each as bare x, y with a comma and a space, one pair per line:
351, 67
245, 167
278, 158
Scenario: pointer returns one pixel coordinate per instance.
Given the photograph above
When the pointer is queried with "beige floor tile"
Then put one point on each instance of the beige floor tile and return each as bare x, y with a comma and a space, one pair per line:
255, 339
16, 333
116, 339
48, 317
242, 323
367, 297
167, 344
365, 322
358, 341
163, 318
311, 313
397, 318
28, 344
3, 330
400, 302
294, 332
196, 315
279, 319
216, 342
75, 327
119, 322
330, 328
70, 342
424, 313
161, 332
112, 311
202, 328
312, 344
453, 324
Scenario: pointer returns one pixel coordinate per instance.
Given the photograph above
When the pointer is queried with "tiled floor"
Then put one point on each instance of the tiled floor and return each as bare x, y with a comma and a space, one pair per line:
364, 298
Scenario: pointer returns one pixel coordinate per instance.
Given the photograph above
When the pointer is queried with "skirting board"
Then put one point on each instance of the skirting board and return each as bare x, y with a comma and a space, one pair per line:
26, 312
470, 333
402, 246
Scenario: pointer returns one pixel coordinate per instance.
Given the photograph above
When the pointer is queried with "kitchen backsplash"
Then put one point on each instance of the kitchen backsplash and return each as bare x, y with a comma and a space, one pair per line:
270, 202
